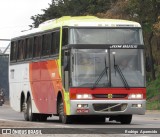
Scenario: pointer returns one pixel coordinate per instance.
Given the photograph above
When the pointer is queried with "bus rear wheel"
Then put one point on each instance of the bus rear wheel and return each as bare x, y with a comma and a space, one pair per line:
25, 112
125, 119
62, 116
28, 115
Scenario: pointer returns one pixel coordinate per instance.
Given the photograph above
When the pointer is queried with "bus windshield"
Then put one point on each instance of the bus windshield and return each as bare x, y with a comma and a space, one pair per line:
106, 36
88, 65
131, 64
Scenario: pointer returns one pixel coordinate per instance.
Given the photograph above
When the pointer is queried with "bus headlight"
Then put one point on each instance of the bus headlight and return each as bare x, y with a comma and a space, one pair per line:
84, 96
135, 96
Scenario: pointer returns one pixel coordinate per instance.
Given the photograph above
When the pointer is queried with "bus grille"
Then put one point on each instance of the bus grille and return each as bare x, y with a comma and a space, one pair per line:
110, 107
108, 95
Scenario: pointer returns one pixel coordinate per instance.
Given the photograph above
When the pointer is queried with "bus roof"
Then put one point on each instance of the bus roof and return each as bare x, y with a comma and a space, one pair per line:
86, 21
79, 21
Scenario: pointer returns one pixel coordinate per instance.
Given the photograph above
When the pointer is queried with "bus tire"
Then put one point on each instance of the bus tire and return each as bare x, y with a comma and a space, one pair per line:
62, 116
125, 119
31, 116
25, 112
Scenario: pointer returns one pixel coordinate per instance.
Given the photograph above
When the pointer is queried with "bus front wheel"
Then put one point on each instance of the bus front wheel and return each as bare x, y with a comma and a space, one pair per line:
62, 116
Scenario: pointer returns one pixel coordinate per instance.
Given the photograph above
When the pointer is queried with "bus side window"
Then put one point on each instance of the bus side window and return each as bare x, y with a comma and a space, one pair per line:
64, 36
29, 48
37, 46
55, 43
13, 51
20, 54
46, 44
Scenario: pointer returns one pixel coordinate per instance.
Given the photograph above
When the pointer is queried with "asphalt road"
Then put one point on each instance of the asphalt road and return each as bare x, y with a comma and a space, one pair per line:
12, 119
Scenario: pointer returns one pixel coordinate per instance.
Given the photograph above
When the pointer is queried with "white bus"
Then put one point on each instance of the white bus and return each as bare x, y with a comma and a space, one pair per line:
77, 67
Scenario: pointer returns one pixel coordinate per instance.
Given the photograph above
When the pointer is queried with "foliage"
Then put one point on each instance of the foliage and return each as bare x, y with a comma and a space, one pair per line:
153, 94
60, 8
156, 27
154, 105
118, 10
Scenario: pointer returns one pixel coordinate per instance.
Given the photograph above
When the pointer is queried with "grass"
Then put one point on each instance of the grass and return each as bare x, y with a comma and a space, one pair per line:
154, 105
153, 94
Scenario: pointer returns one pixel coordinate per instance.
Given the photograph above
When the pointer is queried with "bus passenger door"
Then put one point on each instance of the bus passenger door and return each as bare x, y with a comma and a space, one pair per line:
65, 69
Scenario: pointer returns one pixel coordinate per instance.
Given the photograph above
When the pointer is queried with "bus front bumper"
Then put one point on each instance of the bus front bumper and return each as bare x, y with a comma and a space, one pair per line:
107, 107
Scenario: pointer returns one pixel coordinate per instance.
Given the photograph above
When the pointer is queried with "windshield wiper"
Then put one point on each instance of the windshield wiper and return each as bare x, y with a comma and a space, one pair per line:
100, 77
117, 68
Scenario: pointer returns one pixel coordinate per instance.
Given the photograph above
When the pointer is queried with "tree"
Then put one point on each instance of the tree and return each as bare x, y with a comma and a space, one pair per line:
60, 8
116, 11
146, 12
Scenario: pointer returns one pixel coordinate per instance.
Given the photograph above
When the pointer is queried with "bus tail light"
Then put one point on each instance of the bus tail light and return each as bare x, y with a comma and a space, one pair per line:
135, 96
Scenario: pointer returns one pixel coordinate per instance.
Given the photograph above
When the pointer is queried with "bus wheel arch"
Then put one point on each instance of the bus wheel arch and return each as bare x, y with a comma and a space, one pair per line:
60, 110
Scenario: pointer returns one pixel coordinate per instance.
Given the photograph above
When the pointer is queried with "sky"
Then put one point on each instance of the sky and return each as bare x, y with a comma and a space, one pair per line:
15, 16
